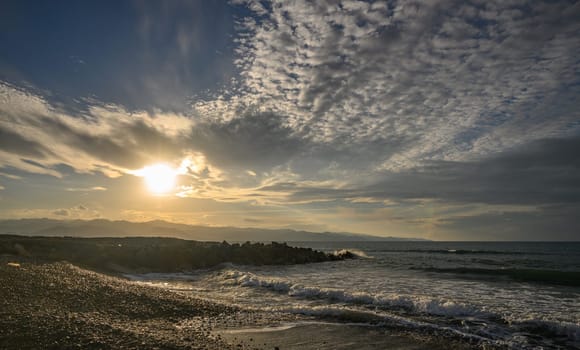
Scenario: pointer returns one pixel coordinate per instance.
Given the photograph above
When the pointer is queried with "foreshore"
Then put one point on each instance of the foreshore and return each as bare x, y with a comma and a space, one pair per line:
60, 306
56, 305
47, 302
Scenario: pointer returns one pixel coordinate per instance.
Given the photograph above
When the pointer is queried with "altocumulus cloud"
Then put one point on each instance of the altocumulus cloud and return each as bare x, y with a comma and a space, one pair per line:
419, 81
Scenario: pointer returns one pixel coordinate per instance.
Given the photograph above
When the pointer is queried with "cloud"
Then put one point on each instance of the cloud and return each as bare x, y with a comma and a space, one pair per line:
415, 81
253, 221
73, 213
560, 221
249, 142
362, 106
540, 172
86, 189
61, 212
10, 176
109, 139
15, 143
336, 89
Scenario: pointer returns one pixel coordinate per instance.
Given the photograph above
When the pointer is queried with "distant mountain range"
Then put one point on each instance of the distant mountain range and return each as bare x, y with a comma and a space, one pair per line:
158, 228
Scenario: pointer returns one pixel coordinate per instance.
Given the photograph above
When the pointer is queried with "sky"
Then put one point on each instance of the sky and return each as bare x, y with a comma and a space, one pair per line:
445, 120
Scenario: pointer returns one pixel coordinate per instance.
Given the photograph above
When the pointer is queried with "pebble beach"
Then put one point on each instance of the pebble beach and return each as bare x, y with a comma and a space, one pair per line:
57, 305
60, 306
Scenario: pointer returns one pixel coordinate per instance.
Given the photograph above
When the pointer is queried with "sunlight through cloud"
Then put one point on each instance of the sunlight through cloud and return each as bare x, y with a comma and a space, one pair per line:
159, 178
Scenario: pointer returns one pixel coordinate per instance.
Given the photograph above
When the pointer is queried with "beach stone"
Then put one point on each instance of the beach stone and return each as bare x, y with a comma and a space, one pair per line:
60, 306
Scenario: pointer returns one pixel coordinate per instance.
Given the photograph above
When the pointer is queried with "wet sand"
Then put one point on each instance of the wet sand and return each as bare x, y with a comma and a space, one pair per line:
324, 336
332, 336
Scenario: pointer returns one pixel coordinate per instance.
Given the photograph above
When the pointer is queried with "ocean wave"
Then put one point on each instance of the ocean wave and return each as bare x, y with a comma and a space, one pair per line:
356, 252
482, 334
441, 318
461, 251
413, 304
555, 329
566, 278
373, 318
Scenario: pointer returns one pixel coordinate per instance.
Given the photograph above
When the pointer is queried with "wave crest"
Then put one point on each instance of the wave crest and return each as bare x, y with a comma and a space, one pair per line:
422, 305
352, 253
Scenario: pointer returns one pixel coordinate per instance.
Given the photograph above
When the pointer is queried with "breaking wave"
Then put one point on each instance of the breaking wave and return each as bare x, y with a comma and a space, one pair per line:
391, 302
357, 253
464, 322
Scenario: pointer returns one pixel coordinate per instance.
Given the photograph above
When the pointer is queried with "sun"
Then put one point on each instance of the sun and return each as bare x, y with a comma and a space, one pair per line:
159, 178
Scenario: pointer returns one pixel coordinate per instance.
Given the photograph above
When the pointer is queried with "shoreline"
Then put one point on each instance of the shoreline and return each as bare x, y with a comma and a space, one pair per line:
57, 305
320, 335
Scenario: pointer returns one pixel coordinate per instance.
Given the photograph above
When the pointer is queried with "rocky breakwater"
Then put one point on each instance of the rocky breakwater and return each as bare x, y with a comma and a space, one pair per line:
51, 296
156, 254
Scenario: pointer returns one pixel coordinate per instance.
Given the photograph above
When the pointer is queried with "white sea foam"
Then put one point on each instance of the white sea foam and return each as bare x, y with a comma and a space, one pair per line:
374, 318
395, 288
412, 303
345, 308
356, 252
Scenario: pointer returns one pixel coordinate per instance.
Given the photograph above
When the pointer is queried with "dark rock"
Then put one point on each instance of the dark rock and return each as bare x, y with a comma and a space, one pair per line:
156, 254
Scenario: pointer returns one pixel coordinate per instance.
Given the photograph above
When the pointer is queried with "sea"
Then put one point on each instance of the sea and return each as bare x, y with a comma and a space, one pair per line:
514, 295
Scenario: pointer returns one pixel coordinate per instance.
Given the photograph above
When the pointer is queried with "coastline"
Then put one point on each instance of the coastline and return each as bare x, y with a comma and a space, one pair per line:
47, 301
57, 305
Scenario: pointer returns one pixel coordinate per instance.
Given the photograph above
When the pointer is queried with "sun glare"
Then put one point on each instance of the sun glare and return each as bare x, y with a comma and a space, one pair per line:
159, 178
